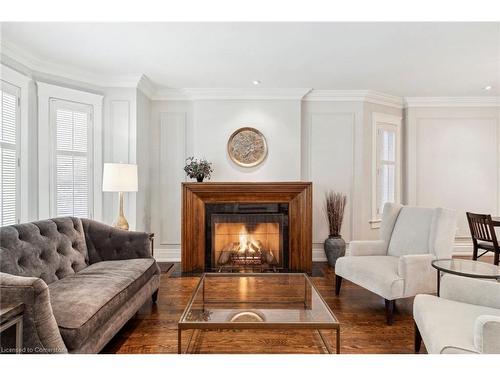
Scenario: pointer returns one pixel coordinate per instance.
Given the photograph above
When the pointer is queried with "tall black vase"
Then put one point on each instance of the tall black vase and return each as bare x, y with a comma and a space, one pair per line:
334, 249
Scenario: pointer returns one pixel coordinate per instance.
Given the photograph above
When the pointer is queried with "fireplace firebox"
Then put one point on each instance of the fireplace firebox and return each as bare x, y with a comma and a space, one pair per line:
246, 237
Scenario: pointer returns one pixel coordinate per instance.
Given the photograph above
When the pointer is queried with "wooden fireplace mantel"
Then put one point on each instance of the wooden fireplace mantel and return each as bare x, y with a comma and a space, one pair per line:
195, 195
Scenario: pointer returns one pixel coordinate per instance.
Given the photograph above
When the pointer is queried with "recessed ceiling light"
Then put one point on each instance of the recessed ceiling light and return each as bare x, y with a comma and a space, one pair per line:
488, 87
256, 82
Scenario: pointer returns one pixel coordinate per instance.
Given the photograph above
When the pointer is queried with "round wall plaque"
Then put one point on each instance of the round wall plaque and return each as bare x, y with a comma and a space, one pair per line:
247, 147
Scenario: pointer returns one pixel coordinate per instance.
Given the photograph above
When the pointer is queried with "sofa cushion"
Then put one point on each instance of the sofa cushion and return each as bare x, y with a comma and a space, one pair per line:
84, 301
448, 326
378, 274
411, 231
49, 249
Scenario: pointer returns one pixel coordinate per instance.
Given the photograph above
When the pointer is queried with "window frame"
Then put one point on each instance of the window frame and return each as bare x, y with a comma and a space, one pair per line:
54, 105
46, 187
15, 91
383, 121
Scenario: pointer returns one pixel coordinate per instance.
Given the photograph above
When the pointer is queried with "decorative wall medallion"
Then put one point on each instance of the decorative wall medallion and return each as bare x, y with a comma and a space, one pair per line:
247, 147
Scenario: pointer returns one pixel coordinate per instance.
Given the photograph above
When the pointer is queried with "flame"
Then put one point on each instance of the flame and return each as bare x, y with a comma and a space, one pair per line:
243, 239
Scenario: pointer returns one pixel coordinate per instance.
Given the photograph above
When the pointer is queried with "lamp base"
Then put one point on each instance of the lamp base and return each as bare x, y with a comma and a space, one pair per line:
121, 223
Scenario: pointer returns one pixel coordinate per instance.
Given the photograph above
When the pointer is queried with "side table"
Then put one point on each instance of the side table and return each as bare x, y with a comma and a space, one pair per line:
466, 268
13, 315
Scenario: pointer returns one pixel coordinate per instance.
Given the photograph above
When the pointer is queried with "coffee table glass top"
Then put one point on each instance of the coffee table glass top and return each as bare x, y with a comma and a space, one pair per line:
235, 299
469, 268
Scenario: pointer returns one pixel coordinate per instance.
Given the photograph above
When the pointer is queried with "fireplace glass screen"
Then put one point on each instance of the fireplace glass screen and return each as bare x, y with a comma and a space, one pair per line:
247, 241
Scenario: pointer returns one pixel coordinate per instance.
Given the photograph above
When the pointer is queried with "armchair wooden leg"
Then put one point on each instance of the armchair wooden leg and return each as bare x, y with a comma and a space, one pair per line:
418, 339
389, 311
496, 259
154, 296
338, 284
474, 253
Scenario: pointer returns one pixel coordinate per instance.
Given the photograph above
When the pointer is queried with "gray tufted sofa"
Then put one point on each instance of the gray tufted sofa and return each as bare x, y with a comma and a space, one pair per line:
80, 281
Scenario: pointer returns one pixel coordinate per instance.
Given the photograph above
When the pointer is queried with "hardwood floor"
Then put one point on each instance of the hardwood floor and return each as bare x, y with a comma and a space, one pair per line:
361, 313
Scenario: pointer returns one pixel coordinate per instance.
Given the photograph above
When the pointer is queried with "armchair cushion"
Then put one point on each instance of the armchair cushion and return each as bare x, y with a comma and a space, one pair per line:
471, 291
79, 311
411, 231
448, 326
378, 274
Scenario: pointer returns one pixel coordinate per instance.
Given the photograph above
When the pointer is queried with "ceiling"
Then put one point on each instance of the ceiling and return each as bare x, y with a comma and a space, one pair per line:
404, 59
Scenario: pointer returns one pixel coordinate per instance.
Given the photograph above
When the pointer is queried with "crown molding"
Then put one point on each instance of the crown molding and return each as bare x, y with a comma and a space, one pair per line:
170, 94
45, 70
447, 101
369, 96
246, 93
146, 86
376, 97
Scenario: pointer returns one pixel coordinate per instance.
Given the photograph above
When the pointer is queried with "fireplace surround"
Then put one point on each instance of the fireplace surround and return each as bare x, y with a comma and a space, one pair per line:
199, 200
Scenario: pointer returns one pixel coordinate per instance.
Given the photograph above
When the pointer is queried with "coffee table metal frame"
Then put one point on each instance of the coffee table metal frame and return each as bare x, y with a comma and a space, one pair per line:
439, 269
318, 326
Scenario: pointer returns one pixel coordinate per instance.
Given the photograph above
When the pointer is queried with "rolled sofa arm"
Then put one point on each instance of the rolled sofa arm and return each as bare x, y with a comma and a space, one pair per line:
487, 334
471, 291
40, 331
365, 248
418, 274
105, 242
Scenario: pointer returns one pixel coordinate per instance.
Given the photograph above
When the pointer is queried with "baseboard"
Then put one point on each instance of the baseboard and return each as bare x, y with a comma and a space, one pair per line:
461, 248
168, 255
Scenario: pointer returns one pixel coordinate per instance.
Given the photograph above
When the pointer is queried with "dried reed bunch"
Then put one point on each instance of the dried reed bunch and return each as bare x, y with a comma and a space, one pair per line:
334, 210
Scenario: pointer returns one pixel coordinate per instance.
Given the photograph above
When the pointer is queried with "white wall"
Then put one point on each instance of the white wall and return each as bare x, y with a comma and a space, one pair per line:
318, 141
330, 159
453, 161
120, 146
201, 128
143, 196
279, 120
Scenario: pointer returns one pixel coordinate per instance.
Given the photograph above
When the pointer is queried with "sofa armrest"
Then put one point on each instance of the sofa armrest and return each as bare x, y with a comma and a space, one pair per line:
105, 242
366, 248
471, 291
487, 334
40, 331
418, 274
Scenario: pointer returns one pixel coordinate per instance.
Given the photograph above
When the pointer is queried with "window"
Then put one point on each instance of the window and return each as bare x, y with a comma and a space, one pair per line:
386, 164
72, 125
9, 141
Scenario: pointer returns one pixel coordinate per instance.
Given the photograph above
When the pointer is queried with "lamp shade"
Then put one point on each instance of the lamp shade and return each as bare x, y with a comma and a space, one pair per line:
119, 177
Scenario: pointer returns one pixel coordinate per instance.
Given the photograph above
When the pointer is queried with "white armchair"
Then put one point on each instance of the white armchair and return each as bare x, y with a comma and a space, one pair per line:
399, 264
465, 318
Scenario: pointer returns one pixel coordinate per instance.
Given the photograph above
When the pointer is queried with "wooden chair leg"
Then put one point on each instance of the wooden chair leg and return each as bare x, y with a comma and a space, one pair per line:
474, 253
338, 284
497, 258
389, 311
418, 339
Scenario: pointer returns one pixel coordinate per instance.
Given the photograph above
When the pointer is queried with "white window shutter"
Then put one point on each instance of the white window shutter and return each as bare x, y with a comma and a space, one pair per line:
8, 157
72, 162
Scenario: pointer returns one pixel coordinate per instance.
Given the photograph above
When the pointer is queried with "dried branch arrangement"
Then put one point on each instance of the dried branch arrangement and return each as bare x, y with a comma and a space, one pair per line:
334, 210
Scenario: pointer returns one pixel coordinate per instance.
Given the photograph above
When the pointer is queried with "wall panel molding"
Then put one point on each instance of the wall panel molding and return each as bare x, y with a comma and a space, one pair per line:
329, 174
172, 156
459, 149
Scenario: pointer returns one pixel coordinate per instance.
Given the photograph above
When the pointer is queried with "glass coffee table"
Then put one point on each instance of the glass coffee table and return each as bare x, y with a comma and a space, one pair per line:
269, 301
466, 268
